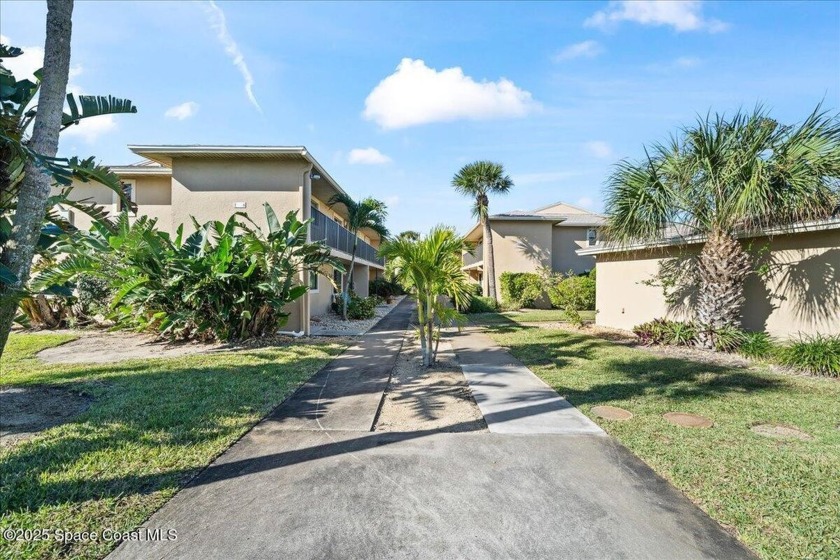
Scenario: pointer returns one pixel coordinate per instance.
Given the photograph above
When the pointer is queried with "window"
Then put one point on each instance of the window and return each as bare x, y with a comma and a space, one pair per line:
313, 281
591, 237
130, 191
337, 280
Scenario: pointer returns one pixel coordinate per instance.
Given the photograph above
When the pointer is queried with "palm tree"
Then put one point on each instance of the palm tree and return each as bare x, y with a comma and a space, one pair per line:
479, 180
430, 267
409, 234
29, 166
368, 213
722, 177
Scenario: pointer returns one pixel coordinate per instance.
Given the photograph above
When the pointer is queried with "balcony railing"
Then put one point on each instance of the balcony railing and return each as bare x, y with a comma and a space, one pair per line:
335, 236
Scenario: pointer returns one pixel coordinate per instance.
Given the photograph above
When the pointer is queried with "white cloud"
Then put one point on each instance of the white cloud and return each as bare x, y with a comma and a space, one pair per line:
585, 202
416, 94
219, 23
367, 156
23, 66
91, 129
585, 49
682, 15
392, 201
182, 111
598, 148
680, 63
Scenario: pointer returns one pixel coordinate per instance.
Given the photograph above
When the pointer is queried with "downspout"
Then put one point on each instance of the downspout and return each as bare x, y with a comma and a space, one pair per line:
306, 213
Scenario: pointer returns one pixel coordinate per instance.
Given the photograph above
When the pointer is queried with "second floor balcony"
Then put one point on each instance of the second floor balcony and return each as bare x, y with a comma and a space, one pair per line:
338, 237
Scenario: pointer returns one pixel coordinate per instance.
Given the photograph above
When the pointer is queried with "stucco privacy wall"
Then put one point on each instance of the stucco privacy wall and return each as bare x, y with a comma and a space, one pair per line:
801, 293
152, 195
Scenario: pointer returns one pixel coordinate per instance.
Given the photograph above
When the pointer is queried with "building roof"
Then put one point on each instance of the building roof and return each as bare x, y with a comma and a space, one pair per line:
672, 238
579, 217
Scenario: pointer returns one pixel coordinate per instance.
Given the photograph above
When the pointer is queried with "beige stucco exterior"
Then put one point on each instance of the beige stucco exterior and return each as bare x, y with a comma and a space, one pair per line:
540, 240
211, 183
801, 293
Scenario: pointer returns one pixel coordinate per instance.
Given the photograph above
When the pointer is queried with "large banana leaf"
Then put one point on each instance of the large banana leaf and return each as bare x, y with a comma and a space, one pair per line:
94, 106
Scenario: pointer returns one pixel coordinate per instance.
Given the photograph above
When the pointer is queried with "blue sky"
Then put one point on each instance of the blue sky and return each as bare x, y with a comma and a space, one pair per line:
394, 98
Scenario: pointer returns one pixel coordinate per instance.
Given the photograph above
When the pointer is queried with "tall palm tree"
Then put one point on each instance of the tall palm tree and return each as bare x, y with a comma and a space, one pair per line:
367, 213
721, 177
430, 267
479, 180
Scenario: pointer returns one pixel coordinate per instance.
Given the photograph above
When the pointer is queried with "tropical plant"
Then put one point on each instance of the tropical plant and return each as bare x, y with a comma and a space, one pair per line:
409, 234
719, 178
367, 213
479, 180
520, 289
226, 281
819, 354
757, 345
28, 162
430, 268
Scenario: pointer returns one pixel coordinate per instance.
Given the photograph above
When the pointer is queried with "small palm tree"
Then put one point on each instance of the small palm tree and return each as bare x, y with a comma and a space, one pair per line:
430, 268
479, 180
722, 177
368, 213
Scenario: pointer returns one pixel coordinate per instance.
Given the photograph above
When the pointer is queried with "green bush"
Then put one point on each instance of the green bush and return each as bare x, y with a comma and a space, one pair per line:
361, 308
819, 354
385, 288
756, 345
481, 304
573, 292
226, 281
520, 289
664, 331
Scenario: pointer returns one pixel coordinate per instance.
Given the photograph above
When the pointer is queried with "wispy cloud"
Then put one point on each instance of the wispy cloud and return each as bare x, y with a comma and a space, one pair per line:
367, 156
682, 15
584, 49
219, 24
91, 129
679, 63
598, 148
416, 94
182, 111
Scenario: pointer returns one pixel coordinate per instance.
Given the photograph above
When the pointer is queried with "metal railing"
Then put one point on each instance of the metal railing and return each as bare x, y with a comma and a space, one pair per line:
329, 231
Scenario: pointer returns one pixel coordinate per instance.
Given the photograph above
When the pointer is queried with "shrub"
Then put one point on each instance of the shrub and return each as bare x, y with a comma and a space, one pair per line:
819, 354
756, 345
481, 304
664, 331
226, 281
521, 289
361, 308
93, 296
385, 288
575, 292
728, 339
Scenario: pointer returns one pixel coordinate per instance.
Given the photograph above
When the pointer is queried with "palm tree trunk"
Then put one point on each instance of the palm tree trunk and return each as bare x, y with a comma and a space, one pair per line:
421, 325
723, 268
348, 284
35, 188
489, 261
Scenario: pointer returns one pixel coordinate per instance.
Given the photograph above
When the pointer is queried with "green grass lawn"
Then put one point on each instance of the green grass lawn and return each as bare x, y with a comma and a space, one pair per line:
529, 316
153, 424
782, 498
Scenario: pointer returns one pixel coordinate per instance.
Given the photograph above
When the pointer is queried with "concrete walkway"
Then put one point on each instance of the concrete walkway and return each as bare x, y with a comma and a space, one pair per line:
311, 482
512, 399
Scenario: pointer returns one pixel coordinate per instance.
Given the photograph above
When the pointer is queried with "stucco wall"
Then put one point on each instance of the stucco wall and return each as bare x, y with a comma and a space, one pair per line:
521, 247
152, 197
801, 293
565, 241
209, 189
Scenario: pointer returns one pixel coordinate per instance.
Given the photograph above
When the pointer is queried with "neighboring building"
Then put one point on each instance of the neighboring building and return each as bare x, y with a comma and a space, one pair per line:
176, 183
799, 294
543, 239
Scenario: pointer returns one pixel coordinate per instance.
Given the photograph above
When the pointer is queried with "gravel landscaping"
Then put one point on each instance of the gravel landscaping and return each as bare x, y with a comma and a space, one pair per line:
331, 324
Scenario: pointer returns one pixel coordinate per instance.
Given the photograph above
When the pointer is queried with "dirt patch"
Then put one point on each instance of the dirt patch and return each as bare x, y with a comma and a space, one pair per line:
780, 431
687, 420
438, 398
608, 412
96, 347
25, 411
